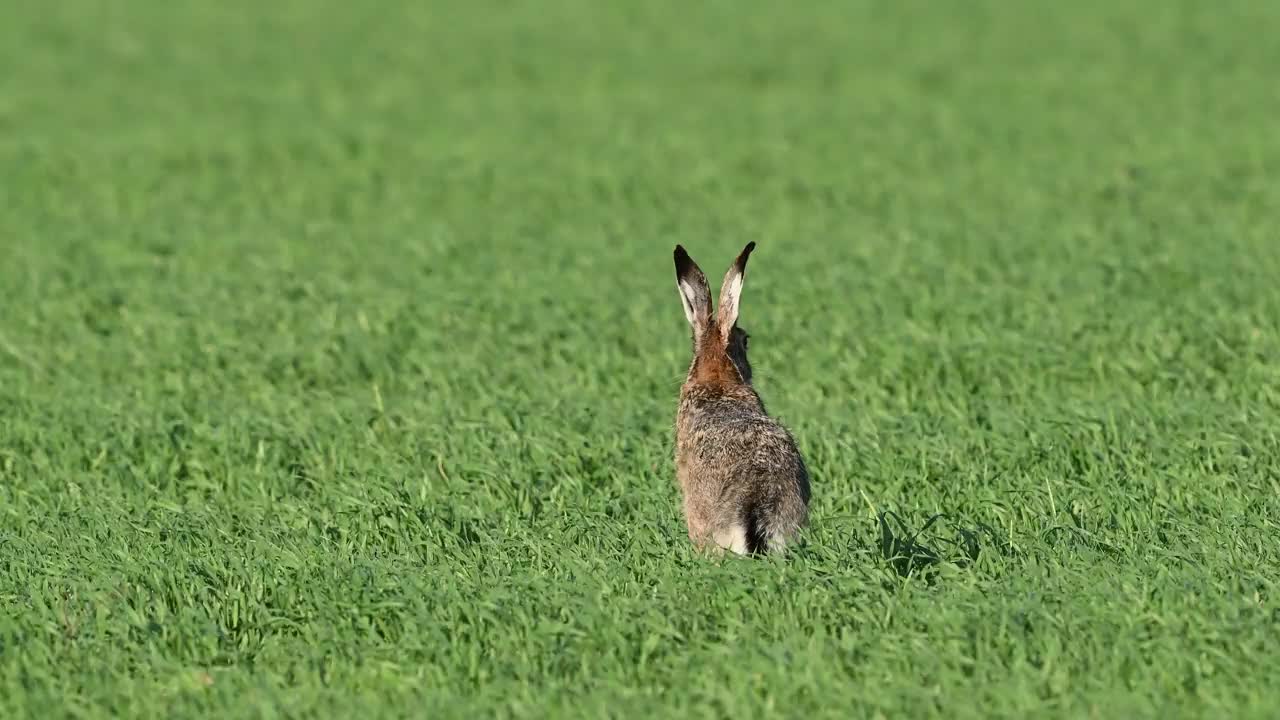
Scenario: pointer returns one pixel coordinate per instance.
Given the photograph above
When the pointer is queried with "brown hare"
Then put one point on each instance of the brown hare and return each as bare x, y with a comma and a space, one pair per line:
745, 485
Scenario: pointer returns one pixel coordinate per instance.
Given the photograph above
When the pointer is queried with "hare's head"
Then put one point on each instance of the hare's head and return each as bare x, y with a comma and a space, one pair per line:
719, 345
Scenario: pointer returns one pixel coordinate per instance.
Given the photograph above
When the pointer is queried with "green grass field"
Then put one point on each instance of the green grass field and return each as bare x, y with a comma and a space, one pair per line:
340, 347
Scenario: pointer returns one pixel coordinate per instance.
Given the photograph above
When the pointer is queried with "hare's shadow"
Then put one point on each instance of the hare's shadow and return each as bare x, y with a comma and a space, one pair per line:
908, 554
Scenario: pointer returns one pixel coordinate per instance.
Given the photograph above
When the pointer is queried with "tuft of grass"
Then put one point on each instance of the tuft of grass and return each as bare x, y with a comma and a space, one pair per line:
339, 354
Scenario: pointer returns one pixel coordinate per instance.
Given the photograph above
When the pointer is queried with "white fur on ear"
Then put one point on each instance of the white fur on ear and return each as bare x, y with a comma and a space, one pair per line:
729, 296
689, 298
695, 296
731, 291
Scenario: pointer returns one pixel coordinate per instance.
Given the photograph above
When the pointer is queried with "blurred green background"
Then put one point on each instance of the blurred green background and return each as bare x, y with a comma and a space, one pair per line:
339, 353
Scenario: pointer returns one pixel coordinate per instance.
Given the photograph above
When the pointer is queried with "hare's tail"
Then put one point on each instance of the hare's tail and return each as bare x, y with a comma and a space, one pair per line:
769, 529
754, 523
773, 522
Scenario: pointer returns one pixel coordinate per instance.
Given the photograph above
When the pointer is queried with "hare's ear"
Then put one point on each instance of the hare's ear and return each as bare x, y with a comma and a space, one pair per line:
731, 290
695, 294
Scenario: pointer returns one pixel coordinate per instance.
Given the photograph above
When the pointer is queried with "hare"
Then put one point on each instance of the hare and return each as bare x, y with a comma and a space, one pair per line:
744, 482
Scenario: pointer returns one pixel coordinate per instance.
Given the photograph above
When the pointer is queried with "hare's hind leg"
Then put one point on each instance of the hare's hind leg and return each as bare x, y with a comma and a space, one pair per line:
714, 534
732, 537
776, 543
778, 539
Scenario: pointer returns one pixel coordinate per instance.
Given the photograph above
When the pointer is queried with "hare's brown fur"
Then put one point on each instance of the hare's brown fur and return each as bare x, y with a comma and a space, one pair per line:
744, 482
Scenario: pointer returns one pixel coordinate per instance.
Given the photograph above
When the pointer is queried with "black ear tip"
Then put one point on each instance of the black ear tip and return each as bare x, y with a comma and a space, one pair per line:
750, 246
683, 261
